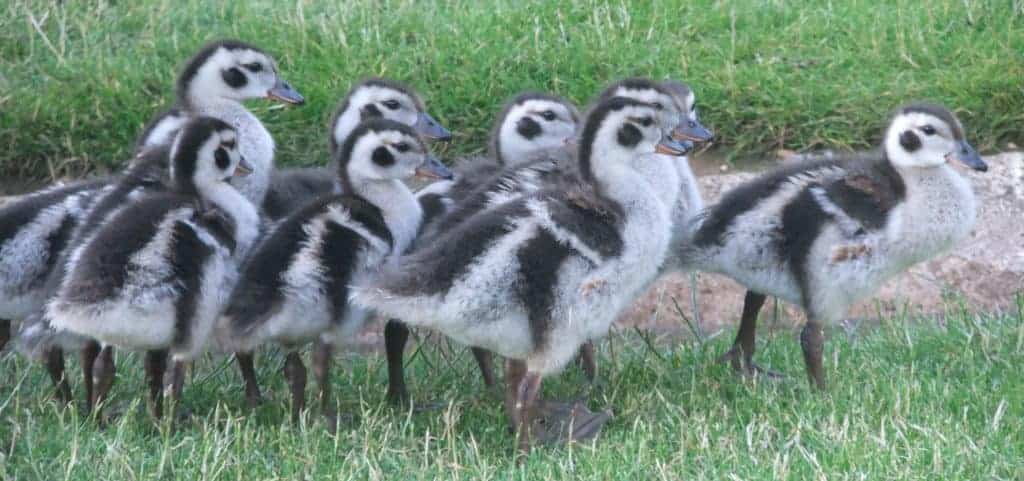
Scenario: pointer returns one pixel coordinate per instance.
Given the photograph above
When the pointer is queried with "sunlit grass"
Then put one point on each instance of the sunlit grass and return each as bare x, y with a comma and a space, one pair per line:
79, 79
933, 398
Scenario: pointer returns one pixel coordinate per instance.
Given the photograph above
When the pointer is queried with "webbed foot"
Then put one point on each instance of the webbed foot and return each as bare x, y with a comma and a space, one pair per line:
565, 422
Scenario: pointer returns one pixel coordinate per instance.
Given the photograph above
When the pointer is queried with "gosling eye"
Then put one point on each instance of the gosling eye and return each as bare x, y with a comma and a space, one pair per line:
392, 104
646, 121
548, 115
402, 147
254, 67
928, 130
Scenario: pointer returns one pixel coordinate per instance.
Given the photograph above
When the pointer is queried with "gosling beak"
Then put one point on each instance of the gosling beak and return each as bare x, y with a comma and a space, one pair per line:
968, 156
692, 130
431, 129
670, 146
434, 169
243, 168
283, 92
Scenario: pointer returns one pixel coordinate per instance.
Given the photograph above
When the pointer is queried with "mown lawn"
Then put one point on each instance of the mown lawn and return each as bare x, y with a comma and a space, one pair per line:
79, 79
929, 398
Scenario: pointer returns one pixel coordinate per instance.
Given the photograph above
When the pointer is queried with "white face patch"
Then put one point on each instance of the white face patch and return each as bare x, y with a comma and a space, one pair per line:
392, 104
929, 140
238, 75
670, 111
209, 169
533, 127
404, 154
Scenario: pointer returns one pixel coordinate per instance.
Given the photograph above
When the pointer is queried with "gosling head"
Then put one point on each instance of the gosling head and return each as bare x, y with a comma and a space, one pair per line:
383, 150
531, 123
670, 109
205, 153
233, 70
619, 129
385, 99
689, 127
926, 135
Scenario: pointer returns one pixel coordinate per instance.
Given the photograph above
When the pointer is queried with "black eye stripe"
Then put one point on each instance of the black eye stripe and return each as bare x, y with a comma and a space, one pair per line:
234, 77
629, 135
383, 157
370, 111
910, 141
221, 158
528, 128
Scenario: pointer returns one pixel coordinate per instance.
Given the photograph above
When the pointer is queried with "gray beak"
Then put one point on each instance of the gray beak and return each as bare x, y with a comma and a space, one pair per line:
692, 130
966, 154
430, 128
670, 146
283, 92
243, 168
432, 168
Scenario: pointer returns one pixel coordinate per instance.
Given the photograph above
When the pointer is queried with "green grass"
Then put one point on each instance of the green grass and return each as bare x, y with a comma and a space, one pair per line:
934, 398
78, 81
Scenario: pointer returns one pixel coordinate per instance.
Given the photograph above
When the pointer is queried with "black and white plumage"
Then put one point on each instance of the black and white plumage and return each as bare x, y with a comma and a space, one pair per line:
824, 235
146, 174
214, 83
34, 230
39, 227
291, 189
217, 79
198, 88
161, 129
542, 162
535, 278
530, 132
156, 273
294, 287
540, 157
528, 143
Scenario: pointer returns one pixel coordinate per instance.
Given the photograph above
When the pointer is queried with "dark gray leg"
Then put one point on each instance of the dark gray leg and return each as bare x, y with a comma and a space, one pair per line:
514, 372
295, 373
104, 373
396, 334
812, 340
741, 355
156, 366
55, 367
484, 359
88, 358
178, 369
253, 398
321, 371
526, 407
588, 361
5, 332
